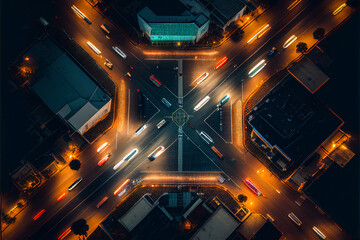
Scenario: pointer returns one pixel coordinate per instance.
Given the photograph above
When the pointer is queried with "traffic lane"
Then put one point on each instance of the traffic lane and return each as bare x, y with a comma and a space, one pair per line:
277, 201
88, 171
261, 54
89, 196
301, 21
167, 137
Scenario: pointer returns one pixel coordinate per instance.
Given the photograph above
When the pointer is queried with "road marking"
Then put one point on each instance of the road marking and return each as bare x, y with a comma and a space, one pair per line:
214, 129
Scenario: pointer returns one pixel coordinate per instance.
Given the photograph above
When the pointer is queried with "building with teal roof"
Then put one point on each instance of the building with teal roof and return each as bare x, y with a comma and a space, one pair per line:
174, 21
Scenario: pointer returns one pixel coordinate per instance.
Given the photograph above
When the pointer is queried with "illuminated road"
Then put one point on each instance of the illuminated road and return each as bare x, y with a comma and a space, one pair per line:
100, 181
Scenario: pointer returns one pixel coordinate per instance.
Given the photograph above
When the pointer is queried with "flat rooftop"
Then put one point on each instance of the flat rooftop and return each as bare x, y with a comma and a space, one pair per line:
307, 73
136, 214
218, 226
291, 119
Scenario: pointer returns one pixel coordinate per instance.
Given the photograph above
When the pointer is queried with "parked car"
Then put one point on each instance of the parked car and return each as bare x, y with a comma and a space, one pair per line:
108, 64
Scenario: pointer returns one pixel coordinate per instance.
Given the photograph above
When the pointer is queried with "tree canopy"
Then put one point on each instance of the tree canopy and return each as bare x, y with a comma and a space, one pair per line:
301, 47
319, 33
75, 164
80, 227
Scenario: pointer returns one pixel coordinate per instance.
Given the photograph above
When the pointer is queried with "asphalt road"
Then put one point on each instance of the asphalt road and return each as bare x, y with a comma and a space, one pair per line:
231, 78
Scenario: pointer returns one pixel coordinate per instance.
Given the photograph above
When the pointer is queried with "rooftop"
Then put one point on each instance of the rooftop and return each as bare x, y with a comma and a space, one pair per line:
218, 226
136, 214
293, 121
176, 11
307, 73
223, 13
63, 85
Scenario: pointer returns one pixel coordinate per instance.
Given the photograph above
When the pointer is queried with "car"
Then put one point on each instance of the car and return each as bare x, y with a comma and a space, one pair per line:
221, 62
108, 64
223, 178
104, 159
201, 78
102, 202
258, 67
155, 81
201, 103
166, 102
339, 9
223, 100
118, 51
157, 152
140, 130
294, 219
206, 137
105, 28
72, 186
161, 123
272, 51
289, 41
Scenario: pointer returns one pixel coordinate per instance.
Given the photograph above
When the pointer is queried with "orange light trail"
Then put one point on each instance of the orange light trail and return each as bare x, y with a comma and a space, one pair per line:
38, 215
121, 186
179, 53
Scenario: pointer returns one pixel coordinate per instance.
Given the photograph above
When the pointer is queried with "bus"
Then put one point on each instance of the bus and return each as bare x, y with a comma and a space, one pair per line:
80, 14
118, 51
318, 232
252, 187
223, 100
72, 186
97, 51
155, 81
218, 153
206, 137
201, 103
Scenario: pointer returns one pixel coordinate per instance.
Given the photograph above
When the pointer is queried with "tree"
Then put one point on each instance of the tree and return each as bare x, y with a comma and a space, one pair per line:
301, 47
80, 227
352, 3
75, 164
237, 35
242, 198
319, 33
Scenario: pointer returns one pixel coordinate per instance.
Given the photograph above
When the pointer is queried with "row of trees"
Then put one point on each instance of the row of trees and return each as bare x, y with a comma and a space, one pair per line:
318, 34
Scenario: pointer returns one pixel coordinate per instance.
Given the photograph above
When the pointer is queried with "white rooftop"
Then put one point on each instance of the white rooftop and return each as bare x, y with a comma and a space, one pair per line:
136, 214
219, 226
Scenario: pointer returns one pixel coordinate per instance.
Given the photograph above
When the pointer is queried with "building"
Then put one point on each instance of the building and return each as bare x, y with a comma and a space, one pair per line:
218, 226
289, 124
224, 13
174, 21
66, 88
